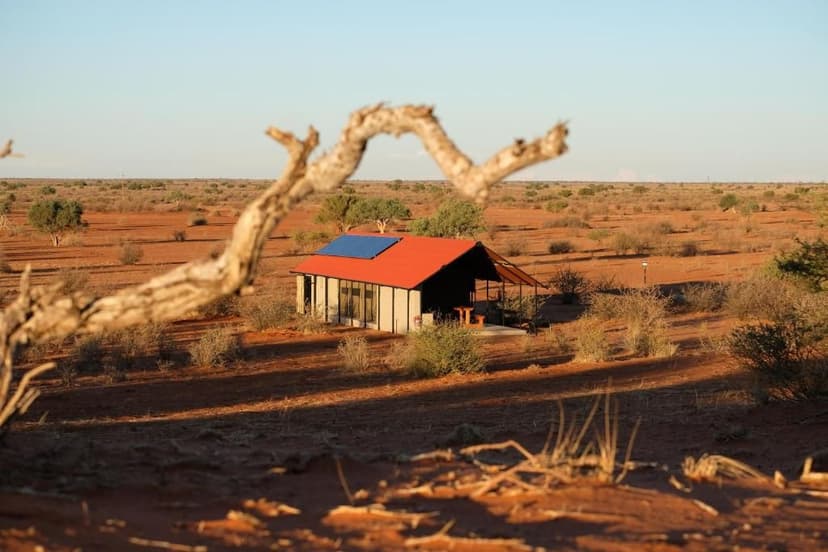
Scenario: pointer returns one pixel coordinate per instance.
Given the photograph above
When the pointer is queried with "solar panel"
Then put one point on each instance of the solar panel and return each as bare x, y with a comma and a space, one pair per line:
357, 247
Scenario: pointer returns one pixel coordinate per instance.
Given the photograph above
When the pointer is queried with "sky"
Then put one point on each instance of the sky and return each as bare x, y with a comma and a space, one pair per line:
652, 90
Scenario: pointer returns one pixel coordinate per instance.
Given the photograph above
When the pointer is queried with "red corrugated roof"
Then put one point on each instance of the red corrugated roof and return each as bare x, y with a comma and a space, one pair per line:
406, 264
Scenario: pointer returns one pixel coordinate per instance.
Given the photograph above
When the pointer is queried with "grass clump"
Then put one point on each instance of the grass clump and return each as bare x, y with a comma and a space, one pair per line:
130, 253
704, 296
215, 349
268, 313
226, 305
590, 340
353, 350
196, 219
566, 222
441, 349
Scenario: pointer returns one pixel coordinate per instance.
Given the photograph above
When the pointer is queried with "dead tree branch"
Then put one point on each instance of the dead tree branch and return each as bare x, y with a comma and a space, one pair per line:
44, 314
7, 150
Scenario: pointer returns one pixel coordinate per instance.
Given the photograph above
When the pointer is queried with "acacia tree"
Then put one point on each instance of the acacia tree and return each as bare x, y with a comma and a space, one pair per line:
341, 210
48, 313
380, 211
454, 219
56, 217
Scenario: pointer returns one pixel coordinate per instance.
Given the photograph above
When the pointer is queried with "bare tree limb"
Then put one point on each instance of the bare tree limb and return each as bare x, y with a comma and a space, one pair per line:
7, 150
48, 313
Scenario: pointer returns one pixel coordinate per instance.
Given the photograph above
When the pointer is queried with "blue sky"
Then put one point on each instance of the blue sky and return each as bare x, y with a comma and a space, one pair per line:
679, 90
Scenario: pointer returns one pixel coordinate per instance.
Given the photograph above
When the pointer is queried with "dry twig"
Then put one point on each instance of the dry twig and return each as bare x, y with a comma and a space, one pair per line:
49, 313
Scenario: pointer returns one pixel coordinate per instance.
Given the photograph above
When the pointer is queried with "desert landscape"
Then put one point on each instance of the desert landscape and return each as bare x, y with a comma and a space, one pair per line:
141, 441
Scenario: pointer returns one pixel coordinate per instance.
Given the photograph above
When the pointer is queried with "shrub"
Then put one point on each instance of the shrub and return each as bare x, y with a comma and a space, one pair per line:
598, 234
179, 235
454, 219
688, 249
442, 349
196, 219
48, 190
516, 247
556, 205
622, 243
704, 297
643, 312
557, 247
761, 297
73, 279
728, 201
309, 240
226, 305
590, 340
566, 222
808, 264
310, 323
783, 357
130, 253
353, 350
570, 283
267, 313
517, 308
215, 349
56, 217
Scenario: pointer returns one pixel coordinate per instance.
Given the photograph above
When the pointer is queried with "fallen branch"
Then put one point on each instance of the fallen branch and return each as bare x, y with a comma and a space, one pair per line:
49, 313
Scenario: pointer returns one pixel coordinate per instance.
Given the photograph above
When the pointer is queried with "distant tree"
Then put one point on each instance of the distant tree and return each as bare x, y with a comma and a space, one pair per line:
380, 211
455, 218
341, 210
56, 217
808, 263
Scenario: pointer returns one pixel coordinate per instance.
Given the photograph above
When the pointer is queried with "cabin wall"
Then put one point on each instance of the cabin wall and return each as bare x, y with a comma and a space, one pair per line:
300, 294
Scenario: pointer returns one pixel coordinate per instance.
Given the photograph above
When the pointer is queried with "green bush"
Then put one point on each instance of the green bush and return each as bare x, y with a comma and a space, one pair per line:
215, 349
442, 349
454, 219
196, 219
808, 264
56, 217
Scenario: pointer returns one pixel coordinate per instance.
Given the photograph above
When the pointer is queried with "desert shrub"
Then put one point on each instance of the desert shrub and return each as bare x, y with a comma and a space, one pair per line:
442, 349
215, 349
662, 227
5, 267
622, 243
566, 222
454, 218
557, 340
519, 308
644, 313
639, 189
570, 283
353, 350
704, 296
748, 206
310, 323
306, 240
226, 305
590, 340
598, 234
788, 359
807, 264
196, 219
688, 248
516, 247
47, 190
588, 191
761, 296
557, 247
267, 313
130, 253
73, 279
556, 205
179, 235
728, 201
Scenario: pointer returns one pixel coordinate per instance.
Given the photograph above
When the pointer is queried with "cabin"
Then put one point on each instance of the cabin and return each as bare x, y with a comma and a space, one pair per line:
398, 283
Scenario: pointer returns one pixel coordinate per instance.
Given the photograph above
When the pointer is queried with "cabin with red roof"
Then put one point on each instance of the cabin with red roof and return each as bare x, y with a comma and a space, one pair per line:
396, 283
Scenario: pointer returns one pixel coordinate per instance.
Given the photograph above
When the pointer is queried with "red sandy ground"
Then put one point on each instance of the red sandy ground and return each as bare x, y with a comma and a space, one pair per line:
160, 460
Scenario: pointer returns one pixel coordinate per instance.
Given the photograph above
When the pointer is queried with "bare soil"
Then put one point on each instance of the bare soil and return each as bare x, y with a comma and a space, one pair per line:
286, 450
